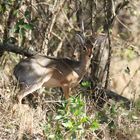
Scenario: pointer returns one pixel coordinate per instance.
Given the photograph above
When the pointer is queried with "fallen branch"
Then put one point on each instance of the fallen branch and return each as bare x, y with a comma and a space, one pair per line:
16, 49
118, 98
102, 95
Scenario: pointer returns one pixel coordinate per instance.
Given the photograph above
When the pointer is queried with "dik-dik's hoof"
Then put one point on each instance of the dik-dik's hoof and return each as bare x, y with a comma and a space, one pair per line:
18, 99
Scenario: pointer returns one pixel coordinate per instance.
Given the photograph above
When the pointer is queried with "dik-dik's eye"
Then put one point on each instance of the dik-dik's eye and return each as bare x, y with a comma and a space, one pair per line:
85, 48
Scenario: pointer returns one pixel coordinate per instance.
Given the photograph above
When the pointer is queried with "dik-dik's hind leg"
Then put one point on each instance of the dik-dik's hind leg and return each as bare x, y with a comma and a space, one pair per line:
27, 90
24, 92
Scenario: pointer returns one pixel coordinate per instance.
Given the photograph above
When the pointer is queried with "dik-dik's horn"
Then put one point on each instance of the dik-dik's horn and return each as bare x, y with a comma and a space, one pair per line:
80, 39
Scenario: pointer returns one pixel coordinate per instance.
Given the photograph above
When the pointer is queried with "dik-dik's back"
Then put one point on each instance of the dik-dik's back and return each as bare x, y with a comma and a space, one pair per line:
39, 70
56, 71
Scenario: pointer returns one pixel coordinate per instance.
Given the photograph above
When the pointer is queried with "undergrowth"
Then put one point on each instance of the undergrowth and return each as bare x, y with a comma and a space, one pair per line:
76, 123
79, 118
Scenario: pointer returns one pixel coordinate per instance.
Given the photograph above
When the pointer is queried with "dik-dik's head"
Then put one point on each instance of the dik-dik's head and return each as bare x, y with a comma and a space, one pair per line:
86, 45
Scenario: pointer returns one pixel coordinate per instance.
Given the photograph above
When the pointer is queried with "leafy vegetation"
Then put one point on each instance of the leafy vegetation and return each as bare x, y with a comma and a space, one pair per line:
76, 122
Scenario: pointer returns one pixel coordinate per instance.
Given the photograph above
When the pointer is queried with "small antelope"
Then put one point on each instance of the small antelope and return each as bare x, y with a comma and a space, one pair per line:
39, 70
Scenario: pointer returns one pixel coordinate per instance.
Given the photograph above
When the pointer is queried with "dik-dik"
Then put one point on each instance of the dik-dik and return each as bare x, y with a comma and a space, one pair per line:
39, 70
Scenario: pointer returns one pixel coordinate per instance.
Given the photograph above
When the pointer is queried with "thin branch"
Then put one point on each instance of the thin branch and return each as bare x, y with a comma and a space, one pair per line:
131, 80
107, 25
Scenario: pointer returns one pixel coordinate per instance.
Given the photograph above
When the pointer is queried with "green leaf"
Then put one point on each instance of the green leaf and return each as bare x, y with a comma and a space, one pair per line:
51, 136
67, 124
112, 125
15, 13
95, 125
77, 112
113, 110
27, 14
2, 8
84, 119
129, 53
58, 117
21, 32
86, 84
28, 26
21, 21
16, 29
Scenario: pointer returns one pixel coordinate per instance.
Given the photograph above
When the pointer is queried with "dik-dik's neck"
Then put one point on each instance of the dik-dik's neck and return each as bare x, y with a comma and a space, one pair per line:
84, 62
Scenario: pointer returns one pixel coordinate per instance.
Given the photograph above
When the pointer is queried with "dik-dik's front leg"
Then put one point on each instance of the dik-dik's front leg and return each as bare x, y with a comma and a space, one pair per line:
66, 90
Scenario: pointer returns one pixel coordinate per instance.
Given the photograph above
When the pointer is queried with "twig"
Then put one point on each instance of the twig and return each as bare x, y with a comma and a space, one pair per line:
52, 23
123, 24
131, 79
